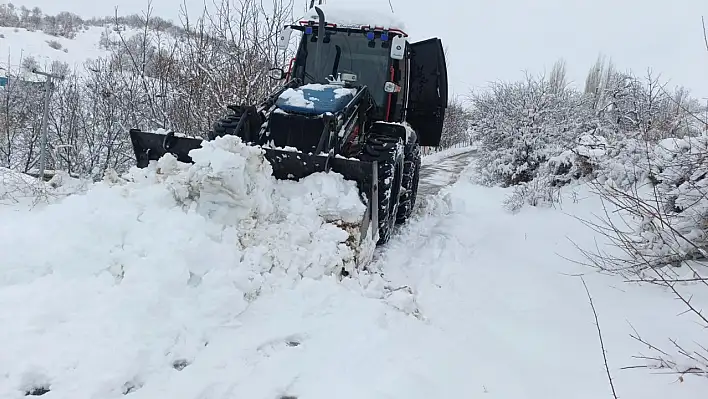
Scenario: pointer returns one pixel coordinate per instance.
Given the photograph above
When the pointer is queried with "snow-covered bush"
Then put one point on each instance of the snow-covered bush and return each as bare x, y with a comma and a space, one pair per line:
652, 173
537, 192
521, 125
64, 24
583, 160
577, 162
54, 44
671, 210
682, 189
621, 163
539, 129
657, 224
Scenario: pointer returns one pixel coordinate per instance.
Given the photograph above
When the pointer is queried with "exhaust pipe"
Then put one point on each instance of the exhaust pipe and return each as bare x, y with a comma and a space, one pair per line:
320, 36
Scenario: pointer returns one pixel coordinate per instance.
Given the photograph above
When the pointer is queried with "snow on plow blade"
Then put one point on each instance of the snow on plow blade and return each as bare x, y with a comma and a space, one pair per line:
287, 165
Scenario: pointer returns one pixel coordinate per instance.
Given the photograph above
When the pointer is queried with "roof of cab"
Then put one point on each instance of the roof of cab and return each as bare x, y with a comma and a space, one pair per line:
349, 16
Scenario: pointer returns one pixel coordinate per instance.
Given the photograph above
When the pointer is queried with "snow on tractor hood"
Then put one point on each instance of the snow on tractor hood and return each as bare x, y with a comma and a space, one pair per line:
315, 99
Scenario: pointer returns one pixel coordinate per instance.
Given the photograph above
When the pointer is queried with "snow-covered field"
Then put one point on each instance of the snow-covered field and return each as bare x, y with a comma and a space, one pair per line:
16, 44
214, 281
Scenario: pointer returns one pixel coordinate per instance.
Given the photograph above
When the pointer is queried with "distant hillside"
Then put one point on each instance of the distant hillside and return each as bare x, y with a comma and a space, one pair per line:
21, 48
66, 24
30, 38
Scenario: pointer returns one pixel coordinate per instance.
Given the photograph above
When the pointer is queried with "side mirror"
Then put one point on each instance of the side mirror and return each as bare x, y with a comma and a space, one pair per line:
284, 38
276, 74
398, 47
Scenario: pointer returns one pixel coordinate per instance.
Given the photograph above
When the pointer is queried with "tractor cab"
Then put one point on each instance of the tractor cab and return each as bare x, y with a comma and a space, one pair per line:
406, 82
355, 57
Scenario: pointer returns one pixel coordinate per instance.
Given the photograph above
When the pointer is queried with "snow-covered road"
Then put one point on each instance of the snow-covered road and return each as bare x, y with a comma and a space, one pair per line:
131, 296
439, 173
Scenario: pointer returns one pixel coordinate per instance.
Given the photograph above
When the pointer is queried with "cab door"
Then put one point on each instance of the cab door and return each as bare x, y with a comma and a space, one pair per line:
427, 91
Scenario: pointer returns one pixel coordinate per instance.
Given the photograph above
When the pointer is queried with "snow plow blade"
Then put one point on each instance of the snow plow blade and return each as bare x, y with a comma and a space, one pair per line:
287, 165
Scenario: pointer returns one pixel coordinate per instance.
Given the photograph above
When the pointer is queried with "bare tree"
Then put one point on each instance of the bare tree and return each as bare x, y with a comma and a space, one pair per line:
558, 77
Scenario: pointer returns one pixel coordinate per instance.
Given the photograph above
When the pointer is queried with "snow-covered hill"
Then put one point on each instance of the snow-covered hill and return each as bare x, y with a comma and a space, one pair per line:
19, 43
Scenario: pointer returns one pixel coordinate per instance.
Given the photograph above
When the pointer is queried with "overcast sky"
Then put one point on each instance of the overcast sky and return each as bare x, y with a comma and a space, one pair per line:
498, 39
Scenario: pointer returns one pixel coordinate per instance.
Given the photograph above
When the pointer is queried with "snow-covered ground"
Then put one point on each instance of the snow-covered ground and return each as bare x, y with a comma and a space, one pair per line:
213, 281
515, 316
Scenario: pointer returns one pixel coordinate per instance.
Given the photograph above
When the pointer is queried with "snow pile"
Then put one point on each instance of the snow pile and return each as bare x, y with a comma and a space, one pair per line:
344, 92
111, 288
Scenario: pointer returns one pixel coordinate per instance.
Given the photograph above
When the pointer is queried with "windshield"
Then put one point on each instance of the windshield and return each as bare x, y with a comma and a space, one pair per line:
343, 52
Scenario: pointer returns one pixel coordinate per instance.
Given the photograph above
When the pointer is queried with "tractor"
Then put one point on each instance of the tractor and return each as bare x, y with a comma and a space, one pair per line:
357, 99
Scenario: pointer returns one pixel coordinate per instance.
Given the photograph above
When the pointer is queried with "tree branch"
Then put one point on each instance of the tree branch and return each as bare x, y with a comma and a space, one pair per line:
602, 344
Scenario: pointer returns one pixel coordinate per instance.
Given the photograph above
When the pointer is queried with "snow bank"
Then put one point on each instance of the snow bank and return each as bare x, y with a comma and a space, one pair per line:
105, 290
